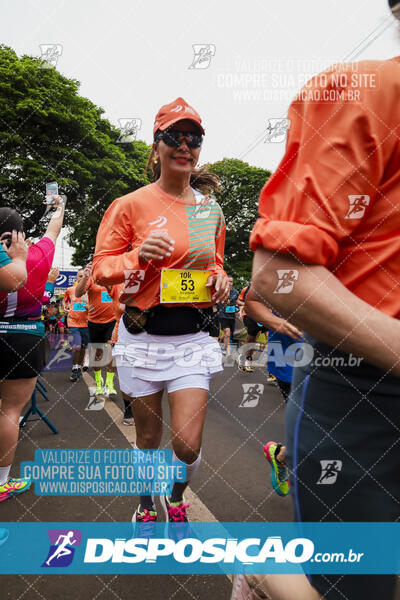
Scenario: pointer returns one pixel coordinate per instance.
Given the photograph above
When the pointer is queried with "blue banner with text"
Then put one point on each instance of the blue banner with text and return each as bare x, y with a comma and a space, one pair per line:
199, 548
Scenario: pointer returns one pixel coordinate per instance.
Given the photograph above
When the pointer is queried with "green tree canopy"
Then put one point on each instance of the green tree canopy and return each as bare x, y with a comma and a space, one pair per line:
241, 185
48, 132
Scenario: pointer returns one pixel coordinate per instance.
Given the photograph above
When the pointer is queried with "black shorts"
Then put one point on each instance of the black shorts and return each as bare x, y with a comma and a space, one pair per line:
100, 333
23, 355
80, 337
227, 323
252, 326
342, 428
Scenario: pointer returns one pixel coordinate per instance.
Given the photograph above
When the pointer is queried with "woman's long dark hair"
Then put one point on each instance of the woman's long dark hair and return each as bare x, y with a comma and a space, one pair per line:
201, 179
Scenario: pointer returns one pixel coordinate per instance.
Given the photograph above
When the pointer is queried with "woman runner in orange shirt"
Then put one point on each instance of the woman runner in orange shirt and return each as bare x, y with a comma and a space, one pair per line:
166, 242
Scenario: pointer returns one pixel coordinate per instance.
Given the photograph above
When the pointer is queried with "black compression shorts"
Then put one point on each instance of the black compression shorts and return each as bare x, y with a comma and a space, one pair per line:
100, 333
23, 355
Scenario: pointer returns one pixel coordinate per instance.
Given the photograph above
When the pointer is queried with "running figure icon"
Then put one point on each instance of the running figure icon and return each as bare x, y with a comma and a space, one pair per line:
330, 471
62, 550
251, 395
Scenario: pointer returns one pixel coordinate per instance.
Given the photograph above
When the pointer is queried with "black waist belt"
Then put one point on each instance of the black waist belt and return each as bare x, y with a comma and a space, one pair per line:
178, 320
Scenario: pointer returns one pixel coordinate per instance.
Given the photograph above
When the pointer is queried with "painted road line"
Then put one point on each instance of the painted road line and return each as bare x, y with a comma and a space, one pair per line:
199, 513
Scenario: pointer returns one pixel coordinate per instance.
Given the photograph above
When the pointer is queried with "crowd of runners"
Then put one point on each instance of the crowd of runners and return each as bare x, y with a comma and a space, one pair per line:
157, 286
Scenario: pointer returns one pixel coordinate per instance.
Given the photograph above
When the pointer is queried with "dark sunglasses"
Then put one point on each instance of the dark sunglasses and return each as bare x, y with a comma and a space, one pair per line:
174, 138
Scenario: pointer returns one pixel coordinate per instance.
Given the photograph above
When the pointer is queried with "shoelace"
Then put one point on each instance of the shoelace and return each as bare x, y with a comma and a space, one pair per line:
146, 516
10, 482
178, 513
282, 471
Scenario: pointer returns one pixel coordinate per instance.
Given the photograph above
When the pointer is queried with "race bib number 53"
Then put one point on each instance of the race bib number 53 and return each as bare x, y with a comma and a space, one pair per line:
180, 285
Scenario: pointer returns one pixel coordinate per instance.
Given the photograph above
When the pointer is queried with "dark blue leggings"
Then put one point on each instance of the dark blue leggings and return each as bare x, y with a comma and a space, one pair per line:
342, 428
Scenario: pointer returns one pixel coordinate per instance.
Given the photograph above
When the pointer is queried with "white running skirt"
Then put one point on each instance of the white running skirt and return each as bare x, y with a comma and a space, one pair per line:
162, 358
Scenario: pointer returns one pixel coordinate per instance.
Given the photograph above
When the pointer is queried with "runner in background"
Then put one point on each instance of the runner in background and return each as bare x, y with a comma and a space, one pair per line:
52, 314
283, 338
48, 308
253, 330
101, 322
115, 292
227, 316
77, 320
23, 344
152, 239
61, 327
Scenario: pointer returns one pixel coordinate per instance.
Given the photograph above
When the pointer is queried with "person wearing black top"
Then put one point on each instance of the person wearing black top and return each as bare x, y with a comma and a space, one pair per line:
227, 314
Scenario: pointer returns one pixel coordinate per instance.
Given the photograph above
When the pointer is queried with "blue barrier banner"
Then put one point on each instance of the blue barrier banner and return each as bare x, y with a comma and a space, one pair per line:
60, 357
199, 548
99, 472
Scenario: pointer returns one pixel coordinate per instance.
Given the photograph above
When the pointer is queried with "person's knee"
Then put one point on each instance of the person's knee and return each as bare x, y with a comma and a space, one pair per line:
187, 450
148, 437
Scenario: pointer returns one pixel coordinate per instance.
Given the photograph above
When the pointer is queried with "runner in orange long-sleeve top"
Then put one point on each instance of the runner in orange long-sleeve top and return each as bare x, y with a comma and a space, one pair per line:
101, 322
165, 242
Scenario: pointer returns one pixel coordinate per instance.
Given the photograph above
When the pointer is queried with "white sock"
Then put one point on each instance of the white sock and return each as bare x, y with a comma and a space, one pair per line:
4, 473
191, 468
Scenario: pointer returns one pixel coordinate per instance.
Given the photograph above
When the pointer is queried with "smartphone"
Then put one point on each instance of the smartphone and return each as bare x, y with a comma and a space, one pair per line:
6, 241
51, 191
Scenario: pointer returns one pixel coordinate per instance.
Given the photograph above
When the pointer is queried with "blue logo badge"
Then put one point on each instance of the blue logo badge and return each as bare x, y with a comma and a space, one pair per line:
62, 547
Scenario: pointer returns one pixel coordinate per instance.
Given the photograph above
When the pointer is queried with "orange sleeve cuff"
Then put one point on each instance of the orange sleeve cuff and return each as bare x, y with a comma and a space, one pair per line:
219, 269
308, 243
109, 269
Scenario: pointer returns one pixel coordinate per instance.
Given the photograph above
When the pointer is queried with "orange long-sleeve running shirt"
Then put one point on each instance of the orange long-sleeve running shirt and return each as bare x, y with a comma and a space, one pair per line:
197, 229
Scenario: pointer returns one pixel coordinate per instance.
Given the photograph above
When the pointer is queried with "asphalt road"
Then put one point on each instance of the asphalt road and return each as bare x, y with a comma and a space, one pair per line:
233, 482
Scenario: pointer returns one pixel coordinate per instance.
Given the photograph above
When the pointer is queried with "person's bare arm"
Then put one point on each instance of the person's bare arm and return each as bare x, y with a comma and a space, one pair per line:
323, 307
257, 311
56, 220
66, 304
13, 276
80, 288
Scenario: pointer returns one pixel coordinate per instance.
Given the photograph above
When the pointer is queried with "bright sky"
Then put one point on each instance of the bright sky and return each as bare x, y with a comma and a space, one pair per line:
132, 56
